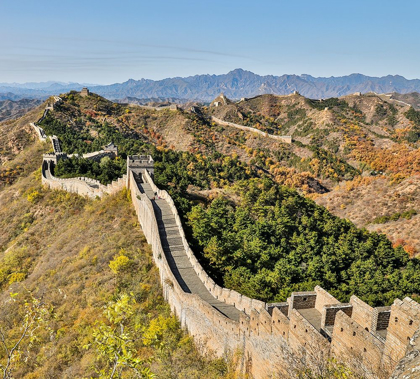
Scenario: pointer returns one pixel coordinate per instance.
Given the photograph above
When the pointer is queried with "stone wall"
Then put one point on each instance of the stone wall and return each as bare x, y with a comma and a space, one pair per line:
96, 155
409, 366
285, 139
199, 317
231, 297
39, 131
363, 313
277, 339
172, 107
82, 186
357, 347
301, 300
403, 325
299, 343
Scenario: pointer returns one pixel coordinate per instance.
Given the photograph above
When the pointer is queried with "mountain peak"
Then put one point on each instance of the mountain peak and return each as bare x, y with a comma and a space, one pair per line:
240, 72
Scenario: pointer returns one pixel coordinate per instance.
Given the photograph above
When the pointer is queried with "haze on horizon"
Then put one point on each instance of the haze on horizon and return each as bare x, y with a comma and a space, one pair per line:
106, 42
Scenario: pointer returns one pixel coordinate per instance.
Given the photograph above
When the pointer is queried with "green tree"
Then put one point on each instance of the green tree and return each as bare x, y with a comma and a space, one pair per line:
115, 341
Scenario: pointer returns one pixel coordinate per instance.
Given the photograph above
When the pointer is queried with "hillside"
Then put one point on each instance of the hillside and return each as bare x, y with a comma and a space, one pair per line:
198, 161
378, 205
357, 136
322, 122
14, 109
64, 258
410, 98
249, 232
356, 139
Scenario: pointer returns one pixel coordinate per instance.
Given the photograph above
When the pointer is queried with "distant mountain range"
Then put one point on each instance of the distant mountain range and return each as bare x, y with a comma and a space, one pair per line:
16, 91
10, 109
235, 85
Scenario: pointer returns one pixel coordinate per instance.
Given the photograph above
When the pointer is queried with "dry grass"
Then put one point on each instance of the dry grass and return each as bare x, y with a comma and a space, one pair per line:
58, 245
365, 199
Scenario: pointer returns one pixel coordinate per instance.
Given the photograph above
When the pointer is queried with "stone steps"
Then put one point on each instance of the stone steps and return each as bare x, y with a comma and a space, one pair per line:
176, 255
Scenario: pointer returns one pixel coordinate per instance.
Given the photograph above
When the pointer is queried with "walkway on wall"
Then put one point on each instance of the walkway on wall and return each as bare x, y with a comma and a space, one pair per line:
176, 255
285, 139
56, 145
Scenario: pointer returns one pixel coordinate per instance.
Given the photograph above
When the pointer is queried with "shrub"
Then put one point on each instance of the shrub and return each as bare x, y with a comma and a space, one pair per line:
12, 265
16, 277
120, 264
395, 217
34, 196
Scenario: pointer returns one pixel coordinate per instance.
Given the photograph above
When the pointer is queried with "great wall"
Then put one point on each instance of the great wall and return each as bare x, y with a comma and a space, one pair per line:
285, 139
222, 100
274, 339
80, 185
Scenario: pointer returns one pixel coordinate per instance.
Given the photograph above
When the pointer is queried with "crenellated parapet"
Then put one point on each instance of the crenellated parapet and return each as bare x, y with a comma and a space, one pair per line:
39, 131
80, 185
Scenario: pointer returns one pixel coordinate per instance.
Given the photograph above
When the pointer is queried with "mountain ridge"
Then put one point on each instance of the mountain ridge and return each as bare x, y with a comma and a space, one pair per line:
235, 84
241, 83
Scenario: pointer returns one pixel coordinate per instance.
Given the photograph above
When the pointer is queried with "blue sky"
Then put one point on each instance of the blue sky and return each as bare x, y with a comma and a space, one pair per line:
108, 41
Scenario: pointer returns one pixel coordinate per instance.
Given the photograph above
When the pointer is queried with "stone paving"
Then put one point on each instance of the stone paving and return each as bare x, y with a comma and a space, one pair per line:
176, 255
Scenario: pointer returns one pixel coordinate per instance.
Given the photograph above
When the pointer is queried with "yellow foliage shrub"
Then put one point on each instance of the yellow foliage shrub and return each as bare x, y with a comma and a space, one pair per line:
120, 264
158, 327
16, 277
34, 196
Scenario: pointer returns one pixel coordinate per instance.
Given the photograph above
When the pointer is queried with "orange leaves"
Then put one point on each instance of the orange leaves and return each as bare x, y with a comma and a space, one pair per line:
409, 249
359, 181
398, 160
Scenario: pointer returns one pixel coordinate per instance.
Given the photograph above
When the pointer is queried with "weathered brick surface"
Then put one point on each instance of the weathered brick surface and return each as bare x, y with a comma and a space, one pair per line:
283, 307
403, 323
409, 366
323, 298
330, 311
280, 323
301, 300
384, 314
353, 344
363, 313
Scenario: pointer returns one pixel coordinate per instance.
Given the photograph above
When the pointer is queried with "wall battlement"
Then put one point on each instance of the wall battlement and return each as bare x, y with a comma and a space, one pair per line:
81, 185
39, 131
275, 339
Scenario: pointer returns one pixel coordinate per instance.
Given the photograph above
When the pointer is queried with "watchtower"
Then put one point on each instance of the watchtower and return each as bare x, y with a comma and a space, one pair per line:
138, 164
111, 147
84, 92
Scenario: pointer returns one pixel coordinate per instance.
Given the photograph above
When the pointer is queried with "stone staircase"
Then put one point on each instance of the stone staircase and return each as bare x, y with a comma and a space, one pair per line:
56, 145
176, 255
